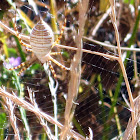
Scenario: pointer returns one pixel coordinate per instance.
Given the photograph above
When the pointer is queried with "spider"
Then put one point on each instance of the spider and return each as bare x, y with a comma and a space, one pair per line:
41, 44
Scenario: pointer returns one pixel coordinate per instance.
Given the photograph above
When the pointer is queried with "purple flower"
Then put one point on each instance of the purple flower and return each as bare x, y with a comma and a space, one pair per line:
13, 62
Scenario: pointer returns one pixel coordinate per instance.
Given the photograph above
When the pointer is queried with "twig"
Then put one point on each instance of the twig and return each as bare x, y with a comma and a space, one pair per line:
9, 107
88, 51
131, 126
101, 21
113, 18
111, 46
75, 71
119, 13
41, 120
38, 113
27, 38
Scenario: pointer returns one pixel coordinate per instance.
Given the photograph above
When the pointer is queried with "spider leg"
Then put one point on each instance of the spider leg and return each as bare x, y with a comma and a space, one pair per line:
19, 66
18, 36
25, 65
28, 50
57, 63
56, 53
24, 68
28, 64
52, 69
61, 33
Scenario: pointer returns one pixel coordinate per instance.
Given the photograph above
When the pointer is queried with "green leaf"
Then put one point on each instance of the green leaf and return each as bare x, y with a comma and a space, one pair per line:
3, 121
1, 14
129, 1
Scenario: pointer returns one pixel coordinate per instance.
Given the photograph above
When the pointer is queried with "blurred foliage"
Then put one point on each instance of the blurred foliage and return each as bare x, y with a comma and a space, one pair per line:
129, 1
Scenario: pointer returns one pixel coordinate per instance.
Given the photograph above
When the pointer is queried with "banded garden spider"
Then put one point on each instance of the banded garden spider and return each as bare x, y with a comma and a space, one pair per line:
41, 44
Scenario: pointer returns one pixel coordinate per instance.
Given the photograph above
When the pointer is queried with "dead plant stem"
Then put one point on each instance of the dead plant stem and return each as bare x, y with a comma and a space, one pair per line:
26, 105
113, 18
75, 71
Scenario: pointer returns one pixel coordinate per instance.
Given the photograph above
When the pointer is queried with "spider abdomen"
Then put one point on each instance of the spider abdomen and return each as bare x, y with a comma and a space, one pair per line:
41, 39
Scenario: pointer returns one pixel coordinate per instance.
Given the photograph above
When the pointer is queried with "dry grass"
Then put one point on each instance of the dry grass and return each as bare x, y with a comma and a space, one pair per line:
75, 74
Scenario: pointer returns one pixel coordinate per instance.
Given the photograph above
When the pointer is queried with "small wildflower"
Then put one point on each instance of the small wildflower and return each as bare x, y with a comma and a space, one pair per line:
12, 62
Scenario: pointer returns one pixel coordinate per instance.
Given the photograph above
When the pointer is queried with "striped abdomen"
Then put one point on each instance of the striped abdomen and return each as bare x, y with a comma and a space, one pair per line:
41, 39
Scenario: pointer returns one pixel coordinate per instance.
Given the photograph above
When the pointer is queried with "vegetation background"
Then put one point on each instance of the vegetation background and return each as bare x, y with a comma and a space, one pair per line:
98, 98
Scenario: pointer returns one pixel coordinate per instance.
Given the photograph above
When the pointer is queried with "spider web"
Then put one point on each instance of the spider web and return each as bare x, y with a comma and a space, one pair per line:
101, 84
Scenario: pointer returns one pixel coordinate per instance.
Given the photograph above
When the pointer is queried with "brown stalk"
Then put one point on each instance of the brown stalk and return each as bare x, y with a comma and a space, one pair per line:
37, 112
27, 38
111, 46
131, 126
103, 18
75, 71
41, 120
113, 18
9, 107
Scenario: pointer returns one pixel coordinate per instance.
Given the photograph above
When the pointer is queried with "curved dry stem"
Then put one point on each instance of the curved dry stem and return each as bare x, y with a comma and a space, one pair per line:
26, 105
113, 18
111, 46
